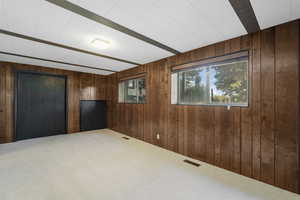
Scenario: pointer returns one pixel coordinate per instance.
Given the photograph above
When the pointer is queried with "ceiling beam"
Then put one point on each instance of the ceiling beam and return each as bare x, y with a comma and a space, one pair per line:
245, 12
63, 46
55, 61
104, 21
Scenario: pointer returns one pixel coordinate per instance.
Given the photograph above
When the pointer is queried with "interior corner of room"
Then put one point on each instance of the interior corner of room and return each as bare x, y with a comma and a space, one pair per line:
215, 88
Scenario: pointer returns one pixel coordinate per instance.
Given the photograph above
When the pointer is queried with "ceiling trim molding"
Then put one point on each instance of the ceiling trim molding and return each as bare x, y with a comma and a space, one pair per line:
63, 46
55, 61
104, 21
246, 14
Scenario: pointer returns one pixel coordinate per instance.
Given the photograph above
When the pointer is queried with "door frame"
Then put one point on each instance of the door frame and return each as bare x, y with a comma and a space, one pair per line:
15, 100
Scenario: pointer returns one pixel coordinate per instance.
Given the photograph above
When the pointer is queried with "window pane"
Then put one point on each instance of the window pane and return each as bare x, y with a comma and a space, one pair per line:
141, 90
224, 83
229, 83
194, 86
121, 92
130, 91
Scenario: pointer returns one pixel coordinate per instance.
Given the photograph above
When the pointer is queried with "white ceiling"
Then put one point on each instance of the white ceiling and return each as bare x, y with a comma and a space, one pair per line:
41, 19
181, 25
35, 49
17, 59
273, 12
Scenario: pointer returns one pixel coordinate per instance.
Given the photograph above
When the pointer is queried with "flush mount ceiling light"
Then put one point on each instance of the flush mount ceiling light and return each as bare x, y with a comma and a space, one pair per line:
100, 44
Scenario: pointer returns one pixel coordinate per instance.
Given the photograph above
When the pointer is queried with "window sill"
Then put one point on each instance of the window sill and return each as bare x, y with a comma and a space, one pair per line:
130, 103
216, 105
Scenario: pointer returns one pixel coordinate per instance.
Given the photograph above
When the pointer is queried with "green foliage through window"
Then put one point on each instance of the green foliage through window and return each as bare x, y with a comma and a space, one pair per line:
224, 83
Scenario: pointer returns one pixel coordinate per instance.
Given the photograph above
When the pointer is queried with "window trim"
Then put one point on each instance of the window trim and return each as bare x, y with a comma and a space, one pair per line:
209, 62
137, 76
134, 77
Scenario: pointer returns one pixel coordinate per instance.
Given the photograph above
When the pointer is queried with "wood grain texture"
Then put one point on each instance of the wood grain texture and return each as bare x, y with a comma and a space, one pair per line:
6, 134
2, 103
268, 106
92, 87
75, 83
287, 106
260, 141
100, 85
256, 105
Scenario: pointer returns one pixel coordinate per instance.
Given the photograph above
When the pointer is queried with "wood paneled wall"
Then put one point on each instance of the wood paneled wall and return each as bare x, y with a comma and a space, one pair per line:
92, 87
260, 141
81, 86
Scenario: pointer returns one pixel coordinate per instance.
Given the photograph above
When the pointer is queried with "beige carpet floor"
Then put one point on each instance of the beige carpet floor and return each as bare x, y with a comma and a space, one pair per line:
101, 165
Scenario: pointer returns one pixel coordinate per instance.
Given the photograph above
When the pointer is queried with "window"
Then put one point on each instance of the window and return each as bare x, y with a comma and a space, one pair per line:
224, 82
132, 91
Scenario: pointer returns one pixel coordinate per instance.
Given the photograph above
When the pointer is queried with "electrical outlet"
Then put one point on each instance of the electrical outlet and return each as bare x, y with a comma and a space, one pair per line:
157, 136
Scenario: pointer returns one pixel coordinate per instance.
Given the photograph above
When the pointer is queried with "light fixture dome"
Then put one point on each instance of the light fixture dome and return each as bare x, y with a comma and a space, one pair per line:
100, 43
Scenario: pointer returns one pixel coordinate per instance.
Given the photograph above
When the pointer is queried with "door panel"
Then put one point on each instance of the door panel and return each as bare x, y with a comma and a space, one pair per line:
40, 105
92, 115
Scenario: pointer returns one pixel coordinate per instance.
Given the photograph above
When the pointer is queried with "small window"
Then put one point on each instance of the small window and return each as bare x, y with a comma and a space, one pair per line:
132, 91
224, 82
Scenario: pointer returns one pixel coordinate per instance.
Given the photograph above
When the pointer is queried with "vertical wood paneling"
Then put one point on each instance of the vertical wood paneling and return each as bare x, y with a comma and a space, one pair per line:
140, 118
255, 107
148, 106
185, 130
127, 118
209, 51
156, 104
287, 105
234, 46
236, 139
109, 100
172, 123
163, 103
146, 109
260, 141
9, 103
205, 147
96, 90
2, 102
268, 106
92, 87
246, 114
180, 114
224, 124
191, 132
73, 85
86, 86
100, 87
